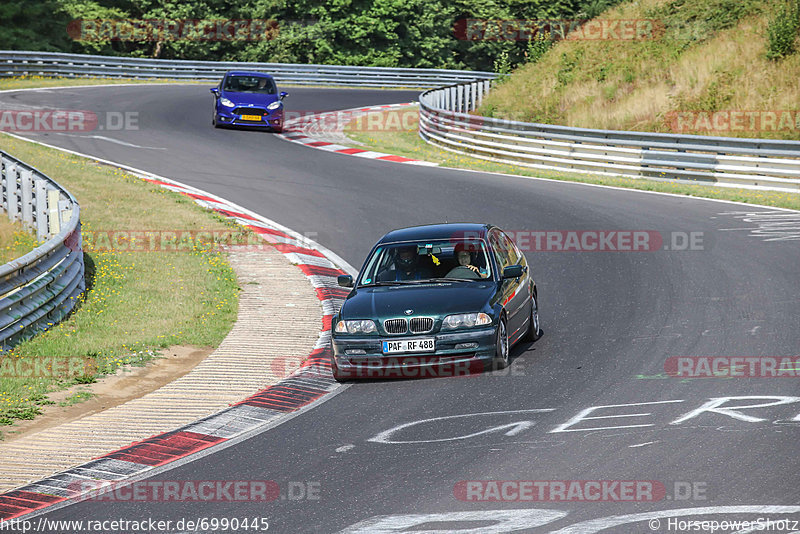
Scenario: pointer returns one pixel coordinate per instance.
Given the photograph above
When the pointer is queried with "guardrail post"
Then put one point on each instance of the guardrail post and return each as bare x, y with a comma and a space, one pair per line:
40, 208
26, 179
6, 163
12, 193
64, 211
52, 211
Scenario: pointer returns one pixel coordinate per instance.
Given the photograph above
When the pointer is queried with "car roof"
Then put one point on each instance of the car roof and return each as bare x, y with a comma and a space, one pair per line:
247, 73
436, 231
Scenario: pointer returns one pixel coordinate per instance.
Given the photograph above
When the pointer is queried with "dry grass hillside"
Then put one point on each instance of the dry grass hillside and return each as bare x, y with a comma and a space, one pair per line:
705, 56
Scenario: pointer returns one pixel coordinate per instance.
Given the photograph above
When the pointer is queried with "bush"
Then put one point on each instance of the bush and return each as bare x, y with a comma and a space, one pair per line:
537, 47
782, 31
502, 64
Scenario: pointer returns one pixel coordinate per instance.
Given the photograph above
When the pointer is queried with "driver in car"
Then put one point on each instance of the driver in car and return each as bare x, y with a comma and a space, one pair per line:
465, 254
406, 267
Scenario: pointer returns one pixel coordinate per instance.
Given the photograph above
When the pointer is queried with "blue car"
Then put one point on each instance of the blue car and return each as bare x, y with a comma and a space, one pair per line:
248, 99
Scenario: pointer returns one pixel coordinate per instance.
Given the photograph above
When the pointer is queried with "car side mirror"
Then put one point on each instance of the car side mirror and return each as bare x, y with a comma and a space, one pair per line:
283, 95
345, 280
513, 271
215, 91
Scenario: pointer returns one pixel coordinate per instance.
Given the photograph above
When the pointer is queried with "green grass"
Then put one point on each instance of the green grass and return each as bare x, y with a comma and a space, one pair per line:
15, 241
703, 55
137, 302
26, 82
408, 143
79, 396
29, 82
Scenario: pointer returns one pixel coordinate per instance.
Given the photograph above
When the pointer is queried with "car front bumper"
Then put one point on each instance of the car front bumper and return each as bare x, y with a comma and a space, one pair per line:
273, 119
459, 353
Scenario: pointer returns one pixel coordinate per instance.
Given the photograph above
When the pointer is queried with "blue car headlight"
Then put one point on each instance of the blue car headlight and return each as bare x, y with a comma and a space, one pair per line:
227, 103
365, 326
275, 105
465, 320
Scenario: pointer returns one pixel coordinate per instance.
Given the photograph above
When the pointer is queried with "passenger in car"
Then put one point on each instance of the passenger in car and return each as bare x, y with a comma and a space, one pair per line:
406, 267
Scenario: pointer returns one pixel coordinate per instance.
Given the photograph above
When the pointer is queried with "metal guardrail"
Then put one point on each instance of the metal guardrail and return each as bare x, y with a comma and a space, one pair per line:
19, 63
736, 162
42, 287
445, 121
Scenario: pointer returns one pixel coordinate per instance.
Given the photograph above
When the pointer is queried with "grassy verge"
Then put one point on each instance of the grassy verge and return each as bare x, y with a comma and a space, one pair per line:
705, 57
15, 241
26, 82
136, 302
29, 82
408, 143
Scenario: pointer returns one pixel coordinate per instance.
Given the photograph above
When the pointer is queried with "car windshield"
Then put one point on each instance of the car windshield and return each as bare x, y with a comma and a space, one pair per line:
250, 84
413, 262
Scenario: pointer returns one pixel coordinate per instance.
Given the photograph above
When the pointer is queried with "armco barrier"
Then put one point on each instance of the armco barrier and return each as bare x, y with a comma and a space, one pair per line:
42, 287
19, 63
736, 162
445, 121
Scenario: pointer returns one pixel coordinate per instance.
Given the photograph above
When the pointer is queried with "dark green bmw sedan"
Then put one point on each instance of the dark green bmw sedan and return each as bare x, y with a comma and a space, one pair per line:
436, 300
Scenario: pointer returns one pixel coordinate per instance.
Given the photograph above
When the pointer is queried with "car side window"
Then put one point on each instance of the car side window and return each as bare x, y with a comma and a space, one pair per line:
511, 249
500, 253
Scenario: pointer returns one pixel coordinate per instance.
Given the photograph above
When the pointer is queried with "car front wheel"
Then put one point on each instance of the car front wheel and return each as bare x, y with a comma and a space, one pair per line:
534, 328
501, 357
337, 374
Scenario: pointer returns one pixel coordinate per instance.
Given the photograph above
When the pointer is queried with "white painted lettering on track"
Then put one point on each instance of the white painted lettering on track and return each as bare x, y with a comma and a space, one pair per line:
487, 522
511, 429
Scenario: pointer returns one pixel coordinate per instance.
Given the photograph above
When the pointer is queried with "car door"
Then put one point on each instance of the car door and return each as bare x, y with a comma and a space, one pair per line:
516, 291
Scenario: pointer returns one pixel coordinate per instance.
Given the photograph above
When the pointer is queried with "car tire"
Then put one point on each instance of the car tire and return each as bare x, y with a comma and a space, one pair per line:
277, 129
214, 122
337, 375
534, 325
502, 350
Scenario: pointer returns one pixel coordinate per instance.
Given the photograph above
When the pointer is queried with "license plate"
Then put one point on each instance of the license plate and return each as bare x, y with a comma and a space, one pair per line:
409, 345
251, 117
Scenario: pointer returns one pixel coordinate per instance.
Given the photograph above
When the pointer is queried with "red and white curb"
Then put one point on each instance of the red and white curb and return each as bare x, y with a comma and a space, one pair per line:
305, 131
310, 383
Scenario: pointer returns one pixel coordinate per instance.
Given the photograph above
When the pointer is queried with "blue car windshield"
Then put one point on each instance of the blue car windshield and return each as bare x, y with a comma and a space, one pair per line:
250, 84
411, 262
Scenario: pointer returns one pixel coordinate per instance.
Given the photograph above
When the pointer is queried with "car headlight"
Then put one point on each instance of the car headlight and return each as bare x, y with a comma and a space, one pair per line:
364, 326
275, 105
227, 103
465, 320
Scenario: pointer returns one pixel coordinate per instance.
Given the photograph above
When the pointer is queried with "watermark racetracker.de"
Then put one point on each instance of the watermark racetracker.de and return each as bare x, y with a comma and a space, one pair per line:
58, 367
196, 490
726, 121
61, 120
732, 366
600, 240
578, 491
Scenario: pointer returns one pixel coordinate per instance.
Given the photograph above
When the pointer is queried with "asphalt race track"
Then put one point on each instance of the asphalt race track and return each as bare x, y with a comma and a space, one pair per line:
611, 320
